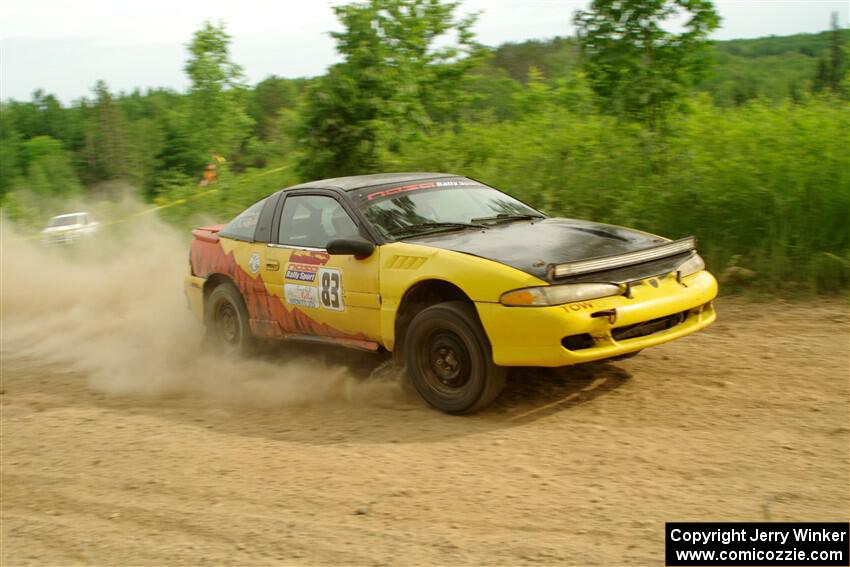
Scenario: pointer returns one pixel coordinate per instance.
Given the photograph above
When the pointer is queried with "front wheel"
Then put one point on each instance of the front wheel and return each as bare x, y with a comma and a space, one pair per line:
227, 321
448, 358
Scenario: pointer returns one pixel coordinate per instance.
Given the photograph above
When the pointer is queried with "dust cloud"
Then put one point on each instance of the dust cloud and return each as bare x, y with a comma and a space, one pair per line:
113, 308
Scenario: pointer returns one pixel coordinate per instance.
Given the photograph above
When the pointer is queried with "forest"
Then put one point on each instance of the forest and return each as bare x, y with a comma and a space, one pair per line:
743, 143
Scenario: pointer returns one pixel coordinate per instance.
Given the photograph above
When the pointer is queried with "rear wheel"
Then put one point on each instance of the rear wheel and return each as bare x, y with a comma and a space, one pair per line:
449, 360
227, 321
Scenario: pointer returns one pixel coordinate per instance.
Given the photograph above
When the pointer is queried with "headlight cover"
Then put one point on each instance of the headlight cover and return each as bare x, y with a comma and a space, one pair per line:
690, 266
543, 296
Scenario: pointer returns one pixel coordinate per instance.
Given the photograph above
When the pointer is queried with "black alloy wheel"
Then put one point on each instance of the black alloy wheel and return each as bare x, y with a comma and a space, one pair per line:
449, 360
227, 320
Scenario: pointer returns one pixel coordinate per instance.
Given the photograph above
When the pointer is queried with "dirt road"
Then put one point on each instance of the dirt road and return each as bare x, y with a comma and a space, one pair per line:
582, 466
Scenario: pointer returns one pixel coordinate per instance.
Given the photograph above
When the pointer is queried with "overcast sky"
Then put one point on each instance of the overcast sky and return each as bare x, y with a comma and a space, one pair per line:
64, 47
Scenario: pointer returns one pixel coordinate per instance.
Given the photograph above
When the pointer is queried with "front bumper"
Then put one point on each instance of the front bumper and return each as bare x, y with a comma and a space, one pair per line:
60, 238
535, 336
193, 289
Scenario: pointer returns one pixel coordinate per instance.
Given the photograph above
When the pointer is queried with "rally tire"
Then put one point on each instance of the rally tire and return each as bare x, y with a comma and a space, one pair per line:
226, 318
449, 359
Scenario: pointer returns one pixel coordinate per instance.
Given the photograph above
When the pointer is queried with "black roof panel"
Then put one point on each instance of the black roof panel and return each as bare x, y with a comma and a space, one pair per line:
360, 181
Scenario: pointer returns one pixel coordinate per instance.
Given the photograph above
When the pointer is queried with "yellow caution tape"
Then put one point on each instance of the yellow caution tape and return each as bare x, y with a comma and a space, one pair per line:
174, 203
138, 214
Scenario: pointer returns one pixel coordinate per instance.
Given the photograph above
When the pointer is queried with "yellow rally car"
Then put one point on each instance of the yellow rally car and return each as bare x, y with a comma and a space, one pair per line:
459, 280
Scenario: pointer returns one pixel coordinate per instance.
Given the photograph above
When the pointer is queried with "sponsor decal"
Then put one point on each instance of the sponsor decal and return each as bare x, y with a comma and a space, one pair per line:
211, 257
402, 189
301, 295
453, 183
254, 263
416, 187
330, 289
309, 257
301, 272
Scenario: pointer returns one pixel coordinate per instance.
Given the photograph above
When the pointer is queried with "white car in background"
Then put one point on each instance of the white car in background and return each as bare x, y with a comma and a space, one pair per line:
68, 228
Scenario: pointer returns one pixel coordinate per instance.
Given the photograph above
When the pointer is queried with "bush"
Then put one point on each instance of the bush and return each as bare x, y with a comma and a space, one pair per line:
765, 187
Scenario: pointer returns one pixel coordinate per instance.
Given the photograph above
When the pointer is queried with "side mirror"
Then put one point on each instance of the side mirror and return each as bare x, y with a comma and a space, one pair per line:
359, 247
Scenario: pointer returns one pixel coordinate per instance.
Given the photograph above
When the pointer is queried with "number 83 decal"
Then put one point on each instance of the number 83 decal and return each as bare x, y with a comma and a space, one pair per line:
330, 289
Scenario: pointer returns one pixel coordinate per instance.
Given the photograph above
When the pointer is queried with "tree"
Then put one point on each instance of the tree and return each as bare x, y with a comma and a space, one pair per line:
821, 81
50, 115
392, 84
107, 143
217, 115
832, 69
837, 58
10, 148
837, 55
637, 68
268, 98
47, 168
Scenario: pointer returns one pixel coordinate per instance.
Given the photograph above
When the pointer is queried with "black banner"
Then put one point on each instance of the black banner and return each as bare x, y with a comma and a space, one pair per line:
757, 543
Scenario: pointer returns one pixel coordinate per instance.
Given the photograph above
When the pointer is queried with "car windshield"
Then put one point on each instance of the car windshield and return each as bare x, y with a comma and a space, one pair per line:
65, 220
416, 211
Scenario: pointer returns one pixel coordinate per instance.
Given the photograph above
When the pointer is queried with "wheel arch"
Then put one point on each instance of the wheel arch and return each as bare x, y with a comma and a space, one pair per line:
419, 296
212, 282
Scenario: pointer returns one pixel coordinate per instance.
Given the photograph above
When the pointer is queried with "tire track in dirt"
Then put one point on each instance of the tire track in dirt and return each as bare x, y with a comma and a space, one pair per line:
746, 421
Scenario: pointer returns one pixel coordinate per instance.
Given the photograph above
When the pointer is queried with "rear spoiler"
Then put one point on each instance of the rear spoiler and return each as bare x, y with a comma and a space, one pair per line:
602, 263
208, 233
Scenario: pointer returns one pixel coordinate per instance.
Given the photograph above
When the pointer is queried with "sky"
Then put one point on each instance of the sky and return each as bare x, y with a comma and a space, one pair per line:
65, 47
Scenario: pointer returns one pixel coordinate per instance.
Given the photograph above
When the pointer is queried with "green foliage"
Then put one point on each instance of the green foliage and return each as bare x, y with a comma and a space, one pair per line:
833, 67
267, 100
106, 138
393, 84
758, 167
10, 147
553, 58
42, 176
638, 68
772, 67
178, 152
764, 187
221, 202
218, 121
46, 168
145, 141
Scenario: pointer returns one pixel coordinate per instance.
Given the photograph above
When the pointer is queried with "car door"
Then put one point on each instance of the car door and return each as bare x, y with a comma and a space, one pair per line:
332, 297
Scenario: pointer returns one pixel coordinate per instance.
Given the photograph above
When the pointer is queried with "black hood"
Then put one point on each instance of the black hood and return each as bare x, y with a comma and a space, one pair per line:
532, 246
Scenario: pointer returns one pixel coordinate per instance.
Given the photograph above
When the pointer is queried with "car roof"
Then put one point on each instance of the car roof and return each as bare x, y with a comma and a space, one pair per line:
353, 182
63, 215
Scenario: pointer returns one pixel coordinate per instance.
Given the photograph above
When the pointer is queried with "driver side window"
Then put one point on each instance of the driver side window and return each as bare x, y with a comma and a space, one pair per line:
312, 221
